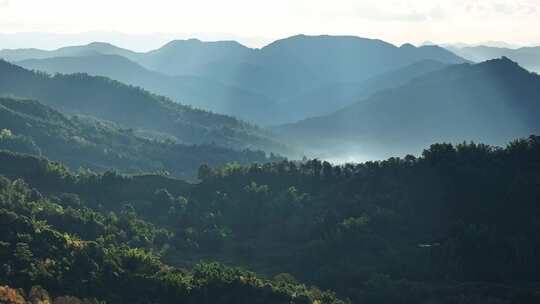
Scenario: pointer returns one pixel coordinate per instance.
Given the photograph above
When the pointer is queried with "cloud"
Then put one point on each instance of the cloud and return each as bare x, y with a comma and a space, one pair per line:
395, 20
408, 11
500, 7
429, 10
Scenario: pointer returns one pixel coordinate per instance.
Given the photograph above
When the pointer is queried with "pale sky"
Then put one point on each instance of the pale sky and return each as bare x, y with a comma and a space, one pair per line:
255, 22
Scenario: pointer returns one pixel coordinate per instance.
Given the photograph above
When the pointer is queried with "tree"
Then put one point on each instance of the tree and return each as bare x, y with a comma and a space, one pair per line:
205, 172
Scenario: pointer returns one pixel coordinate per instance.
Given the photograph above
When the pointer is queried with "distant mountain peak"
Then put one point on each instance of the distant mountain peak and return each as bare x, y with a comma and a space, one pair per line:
183, 41
197, 42
407, 46
433, 46
99, 44
96, 45
302, 38
503, 62
507, 60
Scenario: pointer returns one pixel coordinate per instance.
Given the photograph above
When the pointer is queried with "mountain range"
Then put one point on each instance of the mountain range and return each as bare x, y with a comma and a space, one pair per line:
85, 142
268, 86
528, 57
121, 171
93, 48
197, 91
332, 97
320, 90
493, 101
132, 107
292, 65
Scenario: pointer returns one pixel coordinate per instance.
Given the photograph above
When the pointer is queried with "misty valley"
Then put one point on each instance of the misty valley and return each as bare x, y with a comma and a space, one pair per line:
314, 170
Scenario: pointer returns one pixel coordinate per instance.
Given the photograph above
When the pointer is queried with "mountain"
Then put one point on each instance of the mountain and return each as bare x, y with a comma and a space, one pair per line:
492, 102
528, 57
193, 90
348, 58
230, 63
212, 95
287, 67
52, 41
132, 107
94, 48
187, 57
495, 44
83, 142
327, 99
268, 86
305, 75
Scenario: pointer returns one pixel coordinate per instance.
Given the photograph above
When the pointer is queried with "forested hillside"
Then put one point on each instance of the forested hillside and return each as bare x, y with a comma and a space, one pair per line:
85, 142
456, 225
196, 91
132, 107
57, 241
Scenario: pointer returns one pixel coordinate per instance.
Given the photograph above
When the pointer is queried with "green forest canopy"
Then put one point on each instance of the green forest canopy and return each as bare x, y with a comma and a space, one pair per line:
458, 222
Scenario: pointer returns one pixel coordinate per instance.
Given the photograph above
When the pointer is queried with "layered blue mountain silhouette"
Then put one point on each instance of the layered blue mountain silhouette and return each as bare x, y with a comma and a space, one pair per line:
493, 102
268, 86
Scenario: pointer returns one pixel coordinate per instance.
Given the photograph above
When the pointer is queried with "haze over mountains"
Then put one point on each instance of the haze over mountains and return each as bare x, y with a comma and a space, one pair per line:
528, 57
269, 86
352, 83
94, 48
342, 94
132, 107
195, 90
493, 102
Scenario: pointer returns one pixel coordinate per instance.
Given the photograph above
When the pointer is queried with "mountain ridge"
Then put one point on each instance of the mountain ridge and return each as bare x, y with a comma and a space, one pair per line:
85, 142
133, 107
196, 91
490, 101
236, 80
528, 57
93, 48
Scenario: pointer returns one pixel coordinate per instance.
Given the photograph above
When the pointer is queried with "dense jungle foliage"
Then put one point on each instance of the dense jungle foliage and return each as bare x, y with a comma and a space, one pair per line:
56, 242
456, 225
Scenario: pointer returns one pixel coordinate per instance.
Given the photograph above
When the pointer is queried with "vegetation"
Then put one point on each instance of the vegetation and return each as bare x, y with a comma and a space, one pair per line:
37, 295
132, 108
80, 221
83, 142
395, 231
455, 225
57, 242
